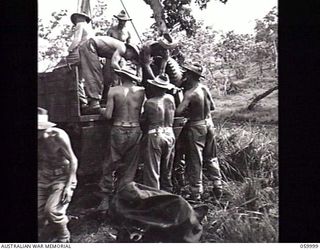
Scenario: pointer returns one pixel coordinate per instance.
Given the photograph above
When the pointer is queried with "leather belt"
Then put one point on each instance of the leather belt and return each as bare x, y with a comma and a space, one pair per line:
126, 124
200, 122
161, 130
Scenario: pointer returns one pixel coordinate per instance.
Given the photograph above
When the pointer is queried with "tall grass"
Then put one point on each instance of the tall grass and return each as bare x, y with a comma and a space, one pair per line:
248, 211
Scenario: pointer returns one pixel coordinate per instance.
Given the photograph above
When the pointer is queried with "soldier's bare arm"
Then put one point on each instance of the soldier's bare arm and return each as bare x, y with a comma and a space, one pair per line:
129, 38
63, 141
184, 104
109, 32
164, 61
209, 96
146, 60
110, 106
116, 57
139, 71
144, 116
77, 37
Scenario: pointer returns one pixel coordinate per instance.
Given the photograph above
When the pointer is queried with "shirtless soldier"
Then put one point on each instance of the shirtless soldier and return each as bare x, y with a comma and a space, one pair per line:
200, 146
157, 121
124, 107
121, 33
57, 166
151, 50
90, 51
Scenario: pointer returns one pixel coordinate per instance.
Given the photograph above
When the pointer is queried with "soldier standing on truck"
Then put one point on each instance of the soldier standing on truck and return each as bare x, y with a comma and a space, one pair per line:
199, 130
124, 108
57, 166
157, 121
83, 32
122, 34
90, 51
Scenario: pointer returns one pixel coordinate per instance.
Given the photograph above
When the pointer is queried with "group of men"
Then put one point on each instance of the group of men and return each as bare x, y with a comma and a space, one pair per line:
142, 112
88, 48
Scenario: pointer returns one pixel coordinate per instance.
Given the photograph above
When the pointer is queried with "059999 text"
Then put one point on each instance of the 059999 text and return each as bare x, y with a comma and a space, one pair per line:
308, 245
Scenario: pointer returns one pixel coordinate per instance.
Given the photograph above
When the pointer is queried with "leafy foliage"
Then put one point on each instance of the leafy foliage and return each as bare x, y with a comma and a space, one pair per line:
55, 37
266, 38
179, 13
99, 21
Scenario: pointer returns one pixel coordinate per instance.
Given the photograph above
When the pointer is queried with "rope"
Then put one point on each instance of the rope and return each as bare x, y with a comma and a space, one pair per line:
134, 27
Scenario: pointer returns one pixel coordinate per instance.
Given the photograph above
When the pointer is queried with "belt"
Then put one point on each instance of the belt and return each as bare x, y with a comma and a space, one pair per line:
200, 122
160, 130
126, 124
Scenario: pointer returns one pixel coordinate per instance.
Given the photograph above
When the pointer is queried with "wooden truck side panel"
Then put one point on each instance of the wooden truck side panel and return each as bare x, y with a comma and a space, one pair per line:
58, 93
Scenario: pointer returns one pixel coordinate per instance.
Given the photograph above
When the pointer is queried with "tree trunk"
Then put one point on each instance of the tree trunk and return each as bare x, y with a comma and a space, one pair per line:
276, 54
260, 97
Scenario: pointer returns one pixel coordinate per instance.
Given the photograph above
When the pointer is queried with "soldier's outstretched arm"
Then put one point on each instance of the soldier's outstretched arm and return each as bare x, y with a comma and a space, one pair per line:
164, 61
64, 144
146, 59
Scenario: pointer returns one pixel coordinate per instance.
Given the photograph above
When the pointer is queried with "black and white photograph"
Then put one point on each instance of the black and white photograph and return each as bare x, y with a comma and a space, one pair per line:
157, 121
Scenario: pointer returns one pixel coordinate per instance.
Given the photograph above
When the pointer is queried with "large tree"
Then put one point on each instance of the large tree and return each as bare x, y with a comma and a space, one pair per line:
177, 12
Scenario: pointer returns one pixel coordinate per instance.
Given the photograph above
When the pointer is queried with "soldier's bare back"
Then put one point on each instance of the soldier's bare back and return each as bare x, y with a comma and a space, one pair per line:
159, 111
198, 102
54, 147
126, 102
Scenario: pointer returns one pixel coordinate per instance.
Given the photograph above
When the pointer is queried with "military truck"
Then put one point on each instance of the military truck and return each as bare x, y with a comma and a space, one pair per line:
89, 134
58, 93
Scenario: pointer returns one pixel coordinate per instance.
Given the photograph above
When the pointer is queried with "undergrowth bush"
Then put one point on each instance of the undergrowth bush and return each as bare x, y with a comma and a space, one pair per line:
248, 211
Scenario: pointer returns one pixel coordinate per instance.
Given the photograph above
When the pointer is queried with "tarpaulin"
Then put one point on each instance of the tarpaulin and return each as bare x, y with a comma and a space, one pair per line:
157, 209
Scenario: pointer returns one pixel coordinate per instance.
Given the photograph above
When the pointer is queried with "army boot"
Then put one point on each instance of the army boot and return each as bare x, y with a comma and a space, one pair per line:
93, 107
217, 189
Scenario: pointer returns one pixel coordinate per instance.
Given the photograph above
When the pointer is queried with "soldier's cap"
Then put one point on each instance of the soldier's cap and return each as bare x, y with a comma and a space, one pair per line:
74, 15
43, 119
167, 42
134, 47
122, 16
195, 68
128, 72
162, 81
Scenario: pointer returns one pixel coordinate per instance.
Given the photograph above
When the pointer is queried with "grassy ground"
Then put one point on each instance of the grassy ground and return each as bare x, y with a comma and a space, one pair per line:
233, 106
248, 210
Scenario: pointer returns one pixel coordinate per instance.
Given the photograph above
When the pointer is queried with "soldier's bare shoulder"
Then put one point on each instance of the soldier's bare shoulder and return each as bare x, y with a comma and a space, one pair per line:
114, 89
189, 93
138, 89
55, 134
203, 86
169, 97
151, 103
112, 28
